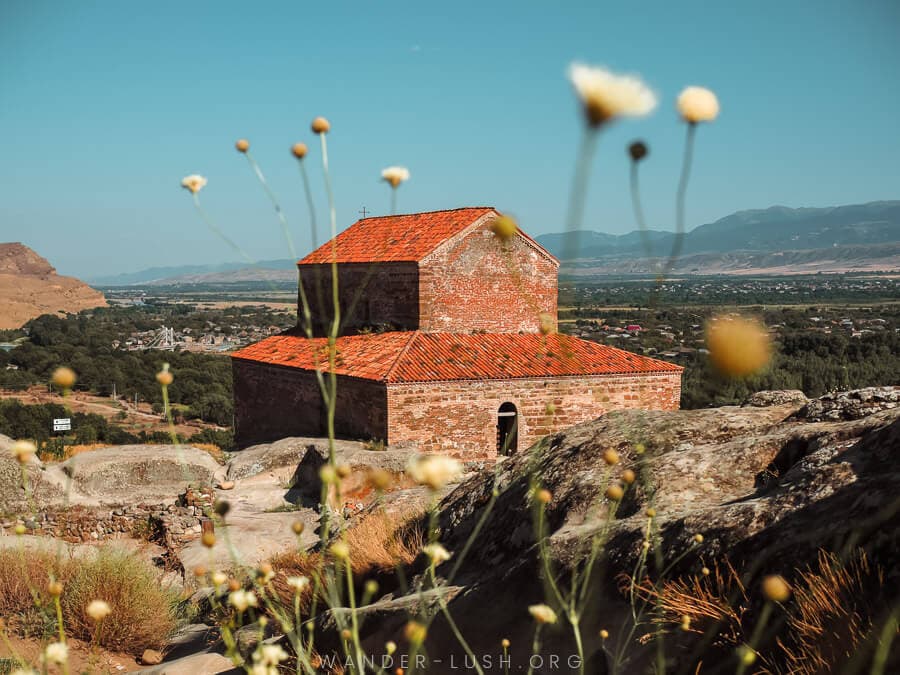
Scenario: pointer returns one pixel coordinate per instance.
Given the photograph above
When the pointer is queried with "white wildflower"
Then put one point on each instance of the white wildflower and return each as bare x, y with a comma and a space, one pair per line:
298, 583
437, 553
395, 175
435, 471
241, 600
23, 451
697, 104
269, 655
542, 613
194, 183
98, 610
56, 652
606, 95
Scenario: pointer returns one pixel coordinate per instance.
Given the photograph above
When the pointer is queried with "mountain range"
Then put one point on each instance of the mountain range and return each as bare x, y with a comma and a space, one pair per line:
776, 240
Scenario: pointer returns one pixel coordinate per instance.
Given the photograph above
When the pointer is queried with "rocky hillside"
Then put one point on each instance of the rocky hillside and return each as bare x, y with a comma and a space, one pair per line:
30, 286
771, 487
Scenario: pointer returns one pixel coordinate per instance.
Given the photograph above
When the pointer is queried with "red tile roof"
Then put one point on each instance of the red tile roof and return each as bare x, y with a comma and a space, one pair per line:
432, 357
405, 238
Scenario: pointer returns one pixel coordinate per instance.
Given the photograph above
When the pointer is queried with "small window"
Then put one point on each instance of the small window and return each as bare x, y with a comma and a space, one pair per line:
507, 429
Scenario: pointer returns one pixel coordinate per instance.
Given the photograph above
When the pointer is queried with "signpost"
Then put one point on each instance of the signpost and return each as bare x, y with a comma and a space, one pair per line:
62, 424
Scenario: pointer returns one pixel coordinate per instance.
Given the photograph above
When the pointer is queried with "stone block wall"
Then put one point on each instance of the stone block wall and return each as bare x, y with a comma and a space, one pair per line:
273, 402
460, 418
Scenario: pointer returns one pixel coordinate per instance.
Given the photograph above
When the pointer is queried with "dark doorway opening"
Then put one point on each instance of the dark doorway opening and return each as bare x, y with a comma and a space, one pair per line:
507, 429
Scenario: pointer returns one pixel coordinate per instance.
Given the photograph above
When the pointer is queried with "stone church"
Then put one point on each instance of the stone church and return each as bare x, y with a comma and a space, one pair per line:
447, 341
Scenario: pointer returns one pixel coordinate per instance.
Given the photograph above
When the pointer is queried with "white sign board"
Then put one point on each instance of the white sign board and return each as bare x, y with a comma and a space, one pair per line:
62, 424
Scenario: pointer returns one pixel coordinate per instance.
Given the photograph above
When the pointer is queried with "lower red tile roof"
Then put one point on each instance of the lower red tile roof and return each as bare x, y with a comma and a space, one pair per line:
414, 356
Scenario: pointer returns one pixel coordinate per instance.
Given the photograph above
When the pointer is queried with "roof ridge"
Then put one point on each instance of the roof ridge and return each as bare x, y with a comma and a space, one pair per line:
390, 371
425, 213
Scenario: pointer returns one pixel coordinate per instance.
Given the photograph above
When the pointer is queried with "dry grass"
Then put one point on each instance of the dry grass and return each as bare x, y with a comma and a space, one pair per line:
143, 613
379, 542
718, 599
830, 617
72, 450
212, 450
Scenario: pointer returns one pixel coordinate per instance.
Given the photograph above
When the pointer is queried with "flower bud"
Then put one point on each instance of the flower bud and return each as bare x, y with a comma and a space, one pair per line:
320, 126
638, 150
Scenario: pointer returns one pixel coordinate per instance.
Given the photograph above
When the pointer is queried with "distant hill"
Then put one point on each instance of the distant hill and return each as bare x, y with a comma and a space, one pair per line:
232, 271
777, 240
734, 243
30, 286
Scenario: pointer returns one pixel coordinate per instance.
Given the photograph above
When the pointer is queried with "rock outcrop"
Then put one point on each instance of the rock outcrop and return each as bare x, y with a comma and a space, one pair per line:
30, 286
139, 473
850, 405
767, 488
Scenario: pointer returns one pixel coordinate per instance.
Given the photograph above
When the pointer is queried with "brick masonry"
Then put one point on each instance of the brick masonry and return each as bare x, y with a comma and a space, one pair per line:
273, 402
370, 294
473, 282
469, 283
460, 418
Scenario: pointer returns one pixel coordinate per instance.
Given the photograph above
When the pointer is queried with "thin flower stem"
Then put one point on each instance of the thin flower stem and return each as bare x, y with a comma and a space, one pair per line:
535, 648
335, 296
885, 638
597, 545
314, 235
62, 630
680, 198
313, 226
472, 537
285, 230
576, 630
393, 201
545, 558
578, 195
218, 232
453, 627
639, 210
351, 595
757, 633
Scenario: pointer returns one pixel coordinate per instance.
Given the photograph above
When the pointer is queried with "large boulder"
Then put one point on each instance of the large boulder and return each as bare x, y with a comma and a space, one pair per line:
290, 453
140, 473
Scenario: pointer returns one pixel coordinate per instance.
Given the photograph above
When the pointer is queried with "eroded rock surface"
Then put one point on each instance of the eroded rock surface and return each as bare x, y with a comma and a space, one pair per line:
850, 405
766, 488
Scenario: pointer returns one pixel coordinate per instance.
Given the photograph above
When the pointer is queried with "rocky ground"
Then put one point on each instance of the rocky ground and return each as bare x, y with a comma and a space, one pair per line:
767, 484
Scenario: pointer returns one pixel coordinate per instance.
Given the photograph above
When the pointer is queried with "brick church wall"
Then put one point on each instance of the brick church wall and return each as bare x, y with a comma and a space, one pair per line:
371, 295
474, 282
273, 402
460, 418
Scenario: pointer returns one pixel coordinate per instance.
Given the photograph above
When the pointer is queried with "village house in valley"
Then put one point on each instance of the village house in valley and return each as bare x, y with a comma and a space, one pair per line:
447, 340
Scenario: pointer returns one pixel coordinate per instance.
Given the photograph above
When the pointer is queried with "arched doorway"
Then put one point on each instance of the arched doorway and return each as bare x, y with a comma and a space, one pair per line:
507, 429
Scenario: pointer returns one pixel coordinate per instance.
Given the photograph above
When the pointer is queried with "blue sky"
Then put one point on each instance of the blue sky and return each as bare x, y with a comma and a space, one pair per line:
104, 106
